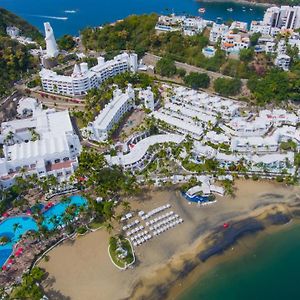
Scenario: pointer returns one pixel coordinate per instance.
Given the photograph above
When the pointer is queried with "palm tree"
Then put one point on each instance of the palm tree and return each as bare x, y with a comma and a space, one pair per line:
109, 227
55, 221
16, 227
126, 206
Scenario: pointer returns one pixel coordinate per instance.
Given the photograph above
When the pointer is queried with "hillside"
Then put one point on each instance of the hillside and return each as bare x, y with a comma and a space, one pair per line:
9, 19
15, 60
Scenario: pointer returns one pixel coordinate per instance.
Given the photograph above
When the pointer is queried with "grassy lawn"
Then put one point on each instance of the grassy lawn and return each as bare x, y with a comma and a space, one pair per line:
114, 243
95, 225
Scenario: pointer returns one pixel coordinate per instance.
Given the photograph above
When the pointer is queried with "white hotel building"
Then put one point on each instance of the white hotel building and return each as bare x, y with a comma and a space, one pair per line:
120, 104
84, 79
44, 144
139, 155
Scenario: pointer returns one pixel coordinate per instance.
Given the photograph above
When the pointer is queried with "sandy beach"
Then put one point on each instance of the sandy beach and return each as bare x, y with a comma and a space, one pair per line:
81, 269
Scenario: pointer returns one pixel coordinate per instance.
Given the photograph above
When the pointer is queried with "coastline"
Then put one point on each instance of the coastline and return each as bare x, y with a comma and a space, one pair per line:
188, 267
167, 266
246, 2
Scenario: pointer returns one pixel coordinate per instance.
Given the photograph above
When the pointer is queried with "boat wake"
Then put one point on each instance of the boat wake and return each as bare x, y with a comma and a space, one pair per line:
71, 11
50, 17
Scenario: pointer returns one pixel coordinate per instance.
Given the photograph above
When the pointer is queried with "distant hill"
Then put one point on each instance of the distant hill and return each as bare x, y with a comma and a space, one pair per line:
9, 19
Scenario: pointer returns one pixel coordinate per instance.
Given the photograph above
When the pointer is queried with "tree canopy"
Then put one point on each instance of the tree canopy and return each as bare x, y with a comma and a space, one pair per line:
227, 87
166, 67
7, 18
274, 86
66, 42
197, 80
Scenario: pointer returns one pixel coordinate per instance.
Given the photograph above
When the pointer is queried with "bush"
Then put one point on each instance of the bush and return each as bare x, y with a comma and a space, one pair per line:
166, 67
181, 72
227, 87
197, 80
81, 230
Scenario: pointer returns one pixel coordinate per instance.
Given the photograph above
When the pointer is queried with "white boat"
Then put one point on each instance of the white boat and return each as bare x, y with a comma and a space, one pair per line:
230, 9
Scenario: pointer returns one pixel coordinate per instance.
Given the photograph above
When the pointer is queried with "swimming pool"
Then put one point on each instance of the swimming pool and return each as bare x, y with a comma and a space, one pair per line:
7, 229
13, 232
59, 209
197, 198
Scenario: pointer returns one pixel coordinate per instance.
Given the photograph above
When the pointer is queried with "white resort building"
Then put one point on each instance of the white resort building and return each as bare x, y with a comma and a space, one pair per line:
110, 116
84, 79
148, 98
140, 155
44, 144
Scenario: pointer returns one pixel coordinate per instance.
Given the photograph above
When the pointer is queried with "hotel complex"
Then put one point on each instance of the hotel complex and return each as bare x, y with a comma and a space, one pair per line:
235, 37
43, 144
120, 104
83, 79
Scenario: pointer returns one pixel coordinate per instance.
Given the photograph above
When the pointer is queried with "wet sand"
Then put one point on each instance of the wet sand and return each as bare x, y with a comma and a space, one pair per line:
82, 269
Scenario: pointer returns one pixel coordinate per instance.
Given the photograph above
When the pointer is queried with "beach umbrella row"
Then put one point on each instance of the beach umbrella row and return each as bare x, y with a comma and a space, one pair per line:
155, 211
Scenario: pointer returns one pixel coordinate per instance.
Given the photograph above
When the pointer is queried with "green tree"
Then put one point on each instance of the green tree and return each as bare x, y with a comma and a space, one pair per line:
197, 80
166, 67
246, 55
66, 42
227, 87
274, 86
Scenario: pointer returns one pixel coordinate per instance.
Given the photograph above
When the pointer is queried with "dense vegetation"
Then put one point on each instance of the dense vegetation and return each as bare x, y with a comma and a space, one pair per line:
9, 19
166, 67
66, 42
15, 58
15, 61
227, 87
197, 80
137, 33
275, 86
30, 287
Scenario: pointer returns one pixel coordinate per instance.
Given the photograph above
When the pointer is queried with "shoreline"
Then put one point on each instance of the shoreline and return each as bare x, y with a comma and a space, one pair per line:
246, 2
167, 265
184, 270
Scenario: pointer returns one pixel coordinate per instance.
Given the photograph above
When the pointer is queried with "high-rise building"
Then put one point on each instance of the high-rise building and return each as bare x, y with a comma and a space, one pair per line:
287, 17
51, 46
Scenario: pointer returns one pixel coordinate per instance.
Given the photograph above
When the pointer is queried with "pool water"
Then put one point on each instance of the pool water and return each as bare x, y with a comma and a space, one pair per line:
196, 198
208, 50
58, 211
28, 223
7, 229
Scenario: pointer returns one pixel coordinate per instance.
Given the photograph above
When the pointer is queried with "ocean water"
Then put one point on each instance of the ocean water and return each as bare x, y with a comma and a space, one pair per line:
270, 271
70, 16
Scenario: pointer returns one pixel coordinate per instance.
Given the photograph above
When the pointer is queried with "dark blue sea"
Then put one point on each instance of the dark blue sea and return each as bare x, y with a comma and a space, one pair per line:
70, 16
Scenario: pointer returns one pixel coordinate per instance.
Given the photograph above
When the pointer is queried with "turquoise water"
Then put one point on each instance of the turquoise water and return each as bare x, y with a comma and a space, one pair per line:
270, 271
28, 223
7, 229
95, 12
59, 209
